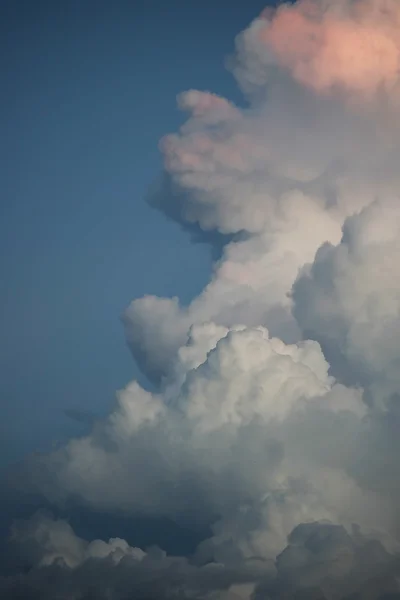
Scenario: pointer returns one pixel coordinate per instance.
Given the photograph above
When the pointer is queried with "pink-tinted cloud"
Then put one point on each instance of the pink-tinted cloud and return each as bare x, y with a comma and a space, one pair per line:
355, 48
198, 151
202, 104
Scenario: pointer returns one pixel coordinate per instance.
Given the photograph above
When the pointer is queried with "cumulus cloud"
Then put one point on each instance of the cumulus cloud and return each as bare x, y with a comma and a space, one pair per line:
324, 561
349, 298
314, 146
70, 568
249, 434
321, 561
349, 47
274, 411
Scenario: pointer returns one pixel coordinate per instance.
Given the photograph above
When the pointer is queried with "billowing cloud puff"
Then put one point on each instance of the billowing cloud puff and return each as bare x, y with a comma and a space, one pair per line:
349, 298
70, 568
321, 561
45, 541
247, 432
342, 46
279, 178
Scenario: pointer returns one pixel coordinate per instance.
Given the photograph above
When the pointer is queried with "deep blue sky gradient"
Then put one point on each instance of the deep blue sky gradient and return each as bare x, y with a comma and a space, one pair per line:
88, 89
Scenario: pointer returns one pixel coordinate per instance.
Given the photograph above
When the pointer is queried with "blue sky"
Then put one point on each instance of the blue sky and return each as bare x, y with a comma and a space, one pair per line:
88, 90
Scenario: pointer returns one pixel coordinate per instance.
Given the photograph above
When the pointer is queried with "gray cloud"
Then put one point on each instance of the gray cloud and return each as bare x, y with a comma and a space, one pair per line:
320, 561
349, 298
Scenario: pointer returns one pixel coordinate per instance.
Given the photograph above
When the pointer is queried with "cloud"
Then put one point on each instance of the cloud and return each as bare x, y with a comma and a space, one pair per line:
277, 179
273, 416
344, 46
320, 561
323, 560
349, 298
68, 567
244, 435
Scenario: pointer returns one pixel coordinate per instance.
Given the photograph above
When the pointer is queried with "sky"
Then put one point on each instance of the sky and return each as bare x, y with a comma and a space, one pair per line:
89, 89
200, 251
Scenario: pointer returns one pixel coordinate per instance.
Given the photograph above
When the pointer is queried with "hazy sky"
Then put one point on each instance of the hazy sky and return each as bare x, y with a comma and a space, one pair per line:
89, 88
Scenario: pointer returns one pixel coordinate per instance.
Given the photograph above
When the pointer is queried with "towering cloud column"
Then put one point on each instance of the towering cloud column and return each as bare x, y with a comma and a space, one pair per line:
276, 403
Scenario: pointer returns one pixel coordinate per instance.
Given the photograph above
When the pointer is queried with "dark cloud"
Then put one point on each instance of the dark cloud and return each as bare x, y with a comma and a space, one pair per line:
320, 561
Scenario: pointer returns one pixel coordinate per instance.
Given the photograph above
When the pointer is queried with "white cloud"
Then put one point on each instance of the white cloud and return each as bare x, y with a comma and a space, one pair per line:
245, 423
349, 298
314, 147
